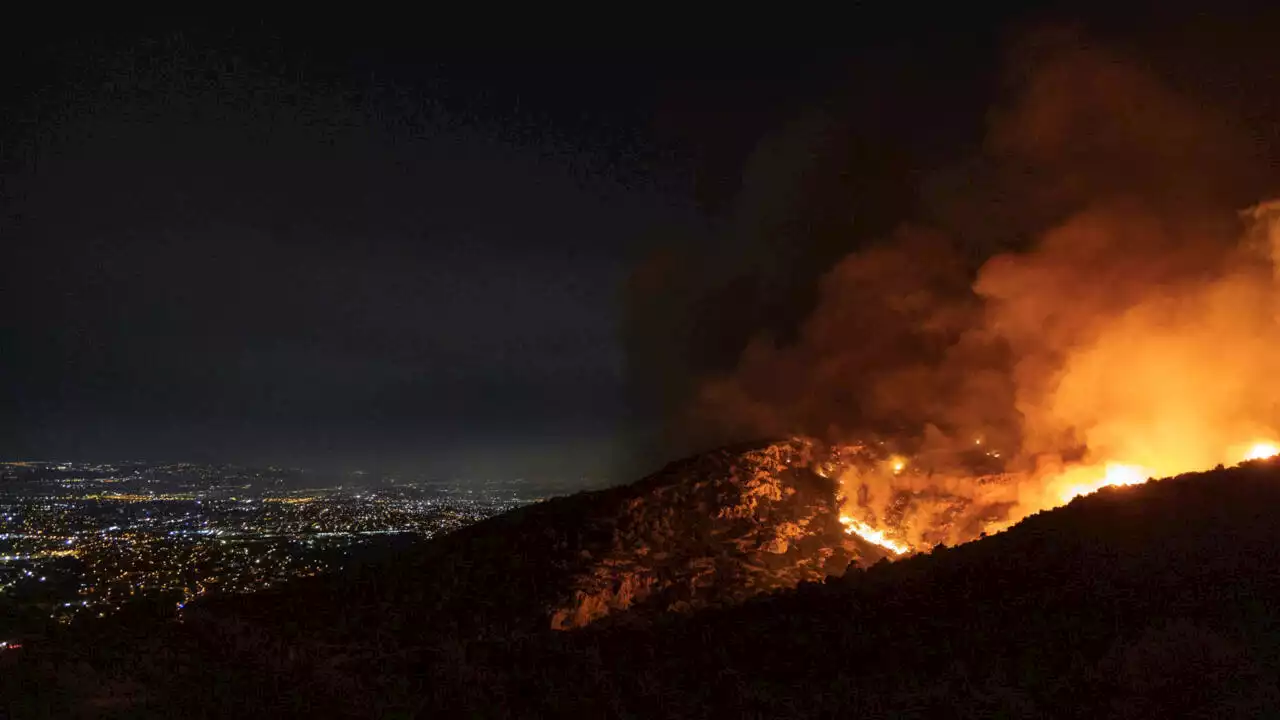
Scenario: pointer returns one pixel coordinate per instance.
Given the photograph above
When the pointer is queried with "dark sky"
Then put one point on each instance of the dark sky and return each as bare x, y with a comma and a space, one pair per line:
325, 246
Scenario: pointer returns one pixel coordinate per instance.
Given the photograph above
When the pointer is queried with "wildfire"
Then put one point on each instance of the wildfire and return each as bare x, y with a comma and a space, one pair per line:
873, 536
1043, 490
1262, 451
1114, 475
1168, 372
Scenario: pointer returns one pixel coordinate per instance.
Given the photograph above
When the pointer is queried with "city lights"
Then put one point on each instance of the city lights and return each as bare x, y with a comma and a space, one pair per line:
90, 540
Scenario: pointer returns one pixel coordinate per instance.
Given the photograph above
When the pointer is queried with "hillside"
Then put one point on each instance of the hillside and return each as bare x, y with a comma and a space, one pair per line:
711, 530
1135, 600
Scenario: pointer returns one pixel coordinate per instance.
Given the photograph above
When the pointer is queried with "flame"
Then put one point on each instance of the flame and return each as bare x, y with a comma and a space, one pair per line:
1140, 347
873, 536
1120, 474
1262, 451
1114, 474
1044, 489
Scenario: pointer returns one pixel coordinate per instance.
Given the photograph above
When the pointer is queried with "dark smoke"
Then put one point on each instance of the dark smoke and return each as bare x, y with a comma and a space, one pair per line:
694, 304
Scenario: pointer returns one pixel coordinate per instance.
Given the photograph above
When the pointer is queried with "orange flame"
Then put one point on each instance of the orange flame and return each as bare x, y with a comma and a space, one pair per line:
1114, 475
873, 536
1262, 451
1050, 488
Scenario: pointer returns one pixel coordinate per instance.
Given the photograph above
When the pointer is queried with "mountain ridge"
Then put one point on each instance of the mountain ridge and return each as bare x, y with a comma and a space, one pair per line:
709, 530
1153, 598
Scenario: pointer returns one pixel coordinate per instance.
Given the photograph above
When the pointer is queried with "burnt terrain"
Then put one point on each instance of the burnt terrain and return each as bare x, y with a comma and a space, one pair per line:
723, 586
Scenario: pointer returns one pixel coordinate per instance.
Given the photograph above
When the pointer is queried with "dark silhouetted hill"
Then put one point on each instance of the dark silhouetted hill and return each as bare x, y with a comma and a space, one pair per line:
711, 530
1154, 600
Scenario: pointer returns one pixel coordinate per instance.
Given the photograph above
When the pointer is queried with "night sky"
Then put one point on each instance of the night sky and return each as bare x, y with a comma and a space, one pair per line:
343, 248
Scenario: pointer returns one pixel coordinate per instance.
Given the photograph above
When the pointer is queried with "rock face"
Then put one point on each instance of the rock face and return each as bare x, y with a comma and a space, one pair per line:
710, 531
715, 529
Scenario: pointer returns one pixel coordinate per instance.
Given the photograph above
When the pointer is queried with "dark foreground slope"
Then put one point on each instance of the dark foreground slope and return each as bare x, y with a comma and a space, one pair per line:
1131, 602
1162, 598
711, 530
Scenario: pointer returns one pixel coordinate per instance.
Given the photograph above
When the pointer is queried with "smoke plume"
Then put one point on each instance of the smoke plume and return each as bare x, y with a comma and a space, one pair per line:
1135, 326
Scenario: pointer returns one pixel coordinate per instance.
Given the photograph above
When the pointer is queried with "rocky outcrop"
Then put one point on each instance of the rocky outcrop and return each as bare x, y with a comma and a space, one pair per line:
711, 530
718, 528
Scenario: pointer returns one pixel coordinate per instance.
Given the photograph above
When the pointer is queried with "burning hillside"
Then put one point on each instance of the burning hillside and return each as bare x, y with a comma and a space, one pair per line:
902, 508
1129, 330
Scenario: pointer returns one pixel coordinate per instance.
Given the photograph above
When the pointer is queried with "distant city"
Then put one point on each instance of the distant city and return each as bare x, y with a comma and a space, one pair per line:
86, 540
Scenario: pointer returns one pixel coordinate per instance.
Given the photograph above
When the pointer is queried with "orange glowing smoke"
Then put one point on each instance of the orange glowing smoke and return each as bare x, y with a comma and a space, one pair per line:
1156, 371
1136, 334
